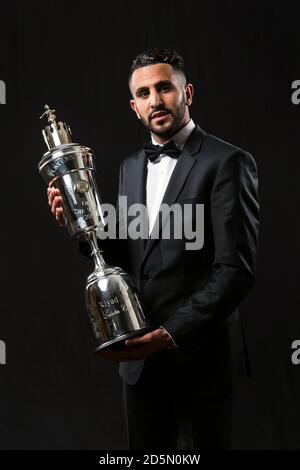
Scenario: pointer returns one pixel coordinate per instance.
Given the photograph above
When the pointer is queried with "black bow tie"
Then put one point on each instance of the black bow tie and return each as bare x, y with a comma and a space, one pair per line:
154, 151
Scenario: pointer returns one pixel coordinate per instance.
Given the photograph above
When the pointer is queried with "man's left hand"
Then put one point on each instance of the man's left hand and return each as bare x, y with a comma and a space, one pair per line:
139, 347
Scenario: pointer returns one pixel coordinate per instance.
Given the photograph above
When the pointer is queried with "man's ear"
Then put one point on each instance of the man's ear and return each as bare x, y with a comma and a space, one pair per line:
133, 106
189, 93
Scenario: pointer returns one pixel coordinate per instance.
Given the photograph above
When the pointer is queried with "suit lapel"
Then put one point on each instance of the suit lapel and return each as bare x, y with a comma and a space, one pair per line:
138, 188
185, 163
139, 179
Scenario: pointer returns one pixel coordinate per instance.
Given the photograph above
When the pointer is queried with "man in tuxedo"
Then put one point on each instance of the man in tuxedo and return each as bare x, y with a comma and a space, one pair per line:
179, 378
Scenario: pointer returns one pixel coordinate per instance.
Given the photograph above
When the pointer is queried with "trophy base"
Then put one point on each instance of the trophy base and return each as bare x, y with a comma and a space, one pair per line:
118, 343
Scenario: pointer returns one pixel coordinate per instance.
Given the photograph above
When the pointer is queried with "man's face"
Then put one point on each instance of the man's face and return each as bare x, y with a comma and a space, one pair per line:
161, 99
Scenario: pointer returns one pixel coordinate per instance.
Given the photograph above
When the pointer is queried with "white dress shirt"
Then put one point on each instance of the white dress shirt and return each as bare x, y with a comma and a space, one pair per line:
159, 173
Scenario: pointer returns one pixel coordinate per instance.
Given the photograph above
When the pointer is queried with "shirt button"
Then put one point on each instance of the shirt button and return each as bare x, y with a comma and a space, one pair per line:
145, 277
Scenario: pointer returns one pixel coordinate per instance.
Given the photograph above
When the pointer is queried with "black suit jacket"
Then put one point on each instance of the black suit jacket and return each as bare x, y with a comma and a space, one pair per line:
195, 294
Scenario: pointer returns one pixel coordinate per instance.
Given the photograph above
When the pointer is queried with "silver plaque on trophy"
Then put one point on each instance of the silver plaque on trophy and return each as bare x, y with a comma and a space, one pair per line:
113, 306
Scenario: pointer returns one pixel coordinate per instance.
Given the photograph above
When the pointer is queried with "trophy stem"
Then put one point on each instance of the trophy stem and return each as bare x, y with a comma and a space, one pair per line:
96, 253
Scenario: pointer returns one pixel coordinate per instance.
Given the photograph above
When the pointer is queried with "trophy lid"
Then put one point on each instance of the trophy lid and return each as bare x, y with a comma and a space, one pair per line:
54, 133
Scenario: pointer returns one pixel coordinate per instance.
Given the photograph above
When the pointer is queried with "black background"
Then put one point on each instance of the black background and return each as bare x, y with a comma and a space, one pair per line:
242, 58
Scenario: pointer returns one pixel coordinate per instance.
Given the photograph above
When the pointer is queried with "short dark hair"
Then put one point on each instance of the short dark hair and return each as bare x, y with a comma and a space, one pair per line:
157, 56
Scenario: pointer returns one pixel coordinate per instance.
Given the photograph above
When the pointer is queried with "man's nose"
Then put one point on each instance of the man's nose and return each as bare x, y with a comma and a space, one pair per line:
155, 99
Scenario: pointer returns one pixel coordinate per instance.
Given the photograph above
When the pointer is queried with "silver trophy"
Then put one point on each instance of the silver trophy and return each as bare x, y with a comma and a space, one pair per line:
114, 309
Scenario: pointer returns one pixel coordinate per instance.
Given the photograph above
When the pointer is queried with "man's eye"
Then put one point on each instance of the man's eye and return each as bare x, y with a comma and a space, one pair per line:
165, 88
143, 93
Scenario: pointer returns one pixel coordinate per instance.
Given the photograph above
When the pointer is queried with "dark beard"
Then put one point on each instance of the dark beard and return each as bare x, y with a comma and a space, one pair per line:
175, 126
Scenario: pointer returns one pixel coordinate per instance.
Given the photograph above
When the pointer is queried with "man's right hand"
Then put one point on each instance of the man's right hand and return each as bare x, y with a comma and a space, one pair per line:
55, 203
